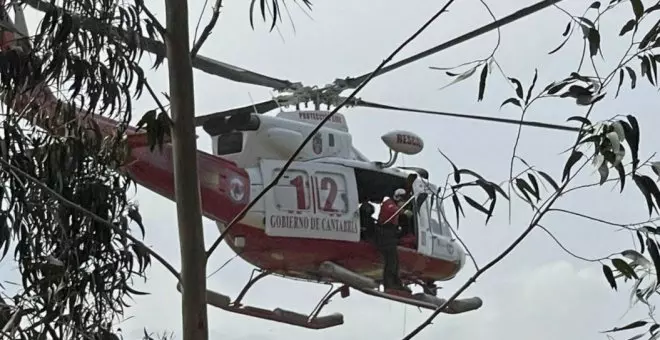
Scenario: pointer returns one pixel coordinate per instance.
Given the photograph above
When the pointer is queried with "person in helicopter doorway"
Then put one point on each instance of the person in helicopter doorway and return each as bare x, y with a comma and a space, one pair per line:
387, 238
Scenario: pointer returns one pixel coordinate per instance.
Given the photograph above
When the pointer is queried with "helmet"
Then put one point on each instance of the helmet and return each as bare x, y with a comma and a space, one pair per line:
399, 194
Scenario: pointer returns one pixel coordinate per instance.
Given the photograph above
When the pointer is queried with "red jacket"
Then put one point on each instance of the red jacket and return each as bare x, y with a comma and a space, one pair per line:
388, 209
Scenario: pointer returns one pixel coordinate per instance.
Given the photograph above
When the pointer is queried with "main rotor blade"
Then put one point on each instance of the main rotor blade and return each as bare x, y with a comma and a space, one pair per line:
355, 82
542, 125
200, 62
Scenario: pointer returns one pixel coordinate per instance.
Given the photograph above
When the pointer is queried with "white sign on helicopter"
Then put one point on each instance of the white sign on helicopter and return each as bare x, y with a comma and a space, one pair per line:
324, 204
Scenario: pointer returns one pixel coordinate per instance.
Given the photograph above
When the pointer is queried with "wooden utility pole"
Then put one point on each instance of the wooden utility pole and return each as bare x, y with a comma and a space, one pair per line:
186, 182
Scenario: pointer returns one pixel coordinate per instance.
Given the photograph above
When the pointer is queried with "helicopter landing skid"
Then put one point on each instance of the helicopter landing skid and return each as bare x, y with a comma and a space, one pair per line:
311, 321
427, 301
370, 287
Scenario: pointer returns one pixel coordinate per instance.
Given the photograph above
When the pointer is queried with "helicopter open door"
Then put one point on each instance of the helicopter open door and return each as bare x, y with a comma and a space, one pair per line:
434, 234
312, 200
424, 235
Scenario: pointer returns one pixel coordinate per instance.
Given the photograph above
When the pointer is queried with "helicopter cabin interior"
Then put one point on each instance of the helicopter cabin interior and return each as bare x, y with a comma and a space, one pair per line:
373, 186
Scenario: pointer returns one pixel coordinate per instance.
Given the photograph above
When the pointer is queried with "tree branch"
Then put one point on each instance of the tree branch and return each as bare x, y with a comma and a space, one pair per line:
153, 95
554, 238
451, 229
161, 29
489, 265
91, 215
467, 250
535, 222
603, 221
547, 205
346, 100
207, 30
590, 185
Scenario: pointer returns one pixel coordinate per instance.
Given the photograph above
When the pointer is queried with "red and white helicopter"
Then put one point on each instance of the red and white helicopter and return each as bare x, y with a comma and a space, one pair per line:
309, 226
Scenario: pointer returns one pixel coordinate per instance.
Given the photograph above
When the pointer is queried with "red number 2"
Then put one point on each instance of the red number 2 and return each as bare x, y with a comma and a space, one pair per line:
327, 183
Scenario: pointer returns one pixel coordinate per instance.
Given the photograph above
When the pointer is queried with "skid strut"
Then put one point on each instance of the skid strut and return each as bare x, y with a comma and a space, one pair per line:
311, 321
370, 287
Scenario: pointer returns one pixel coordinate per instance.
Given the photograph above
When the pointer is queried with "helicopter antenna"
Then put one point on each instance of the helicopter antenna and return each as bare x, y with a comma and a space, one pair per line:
253, 105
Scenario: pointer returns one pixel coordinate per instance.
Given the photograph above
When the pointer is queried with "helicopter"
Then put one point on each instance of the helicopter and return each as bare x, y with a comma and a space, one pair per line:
309, 227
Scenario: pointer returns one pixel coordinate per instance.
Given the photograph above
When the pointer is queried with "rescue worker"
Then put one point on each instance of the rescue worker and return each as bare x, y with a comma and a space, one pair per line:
387, 238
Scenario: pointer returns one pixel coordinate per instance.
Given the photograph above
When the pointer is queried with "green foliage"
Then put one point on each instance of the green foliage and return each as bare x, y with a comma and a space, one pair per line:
491, 189
76, 272
610, 147
273, 9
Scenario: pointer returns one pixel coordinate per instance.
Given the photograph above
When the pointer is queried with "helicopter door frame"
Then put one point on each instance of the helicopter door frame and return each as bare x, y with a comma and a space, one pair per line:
311, 200
422, 217
434, 242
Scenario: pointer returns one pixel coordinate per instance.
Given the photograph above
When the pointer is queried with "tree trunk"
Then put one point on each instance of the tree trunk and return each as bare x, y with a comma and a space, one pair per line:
186, 183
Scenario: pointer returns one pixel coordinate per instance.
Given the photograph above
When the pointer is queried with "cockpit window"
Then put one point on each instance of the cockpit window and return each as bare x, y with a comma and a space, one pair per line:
229, 143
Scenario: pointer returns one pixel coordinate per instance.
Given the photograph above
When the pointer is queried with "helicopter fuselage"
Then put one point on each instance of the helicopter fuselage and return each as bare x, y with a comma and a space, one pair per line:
312, 214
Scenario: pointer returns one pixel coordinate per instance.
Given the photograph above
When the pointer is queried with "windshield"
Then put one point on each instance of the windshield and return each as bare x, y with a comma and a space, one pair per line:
427, 208
439, 214
434, 221
430, 209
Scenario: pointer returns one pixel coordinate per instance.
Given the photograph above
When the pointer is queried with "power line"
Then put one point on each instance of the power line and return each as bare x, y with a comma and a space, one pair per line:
468, 116
354, 82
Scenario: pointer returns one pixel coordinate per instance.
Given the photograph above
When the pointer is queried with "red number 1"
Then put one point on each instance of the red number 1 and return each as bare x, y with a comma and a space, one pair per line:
299, 183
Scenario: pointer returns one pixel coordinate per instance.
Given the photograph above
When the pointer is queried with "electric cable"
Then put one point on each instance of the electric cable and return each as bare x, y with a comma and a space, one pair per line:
542, 125
521, 13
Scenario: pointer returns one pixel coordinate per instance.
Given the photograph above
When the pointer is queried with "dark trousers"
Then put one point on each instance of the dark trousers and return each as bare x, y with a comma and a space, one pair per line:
386, 242
391, 267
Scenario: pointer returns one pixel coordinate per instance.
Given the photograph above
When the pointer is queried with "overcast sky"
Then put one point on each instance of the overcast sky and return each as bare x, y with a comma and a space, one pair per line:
539, 291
